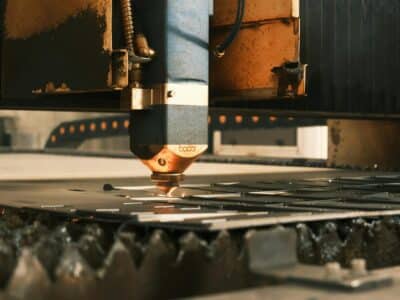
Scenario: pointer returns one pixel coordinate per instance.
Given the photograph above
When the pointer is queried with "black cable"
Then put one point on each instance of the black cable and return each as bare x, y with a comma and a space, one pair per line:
219, 51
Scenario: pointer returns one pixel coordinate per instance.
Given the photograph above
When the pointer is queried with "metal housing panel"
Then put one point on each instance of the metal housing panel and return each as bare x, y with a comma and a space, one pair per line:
225, 11
352, 49
353, 52
248, 63
266, 47
50, 47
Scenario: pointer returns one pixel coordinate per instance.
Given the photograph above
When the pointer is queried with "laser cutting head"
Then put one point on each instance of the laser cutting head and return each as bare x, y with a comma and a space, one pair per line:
169, 115
150, 58
171, 133
168, 163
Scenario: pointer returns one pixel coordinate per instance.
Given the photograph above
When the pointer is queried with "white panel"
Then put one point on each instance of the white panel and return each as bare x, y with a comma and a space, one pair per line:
312, 142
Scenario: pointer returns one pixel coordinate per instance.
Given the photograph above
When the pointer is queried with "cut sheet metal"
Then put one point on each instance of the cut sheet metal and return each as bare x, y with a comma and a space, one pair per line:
217, 206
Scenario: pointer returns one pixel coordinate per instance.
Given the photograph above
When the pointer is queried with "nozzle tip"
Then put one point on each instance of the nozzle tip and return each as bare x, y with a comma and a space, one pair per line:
167, 182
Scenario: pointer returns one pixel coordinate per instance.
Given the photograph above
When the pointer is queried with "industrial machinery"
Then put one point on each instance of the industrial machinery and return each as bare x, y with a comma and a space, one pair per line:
164, 84
165, 89
177, 67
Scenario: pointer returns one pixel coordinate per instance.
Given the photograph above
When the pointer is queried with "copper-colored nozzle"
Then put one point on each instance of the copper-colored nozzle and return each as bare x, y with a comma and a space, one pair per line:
167, 183
169, 163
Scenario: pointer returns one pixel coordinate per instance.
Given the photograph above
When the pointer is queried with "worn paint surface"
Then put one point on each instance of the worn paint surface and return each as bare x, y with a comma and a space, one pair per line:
78, 31
256, 10
26, 18
269, 38
364, 144
249, 61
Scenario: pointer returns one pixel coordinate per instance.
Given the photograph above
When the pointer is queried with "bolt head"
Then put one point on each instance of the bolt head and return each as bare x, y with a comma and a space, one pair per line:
171, 94
162, 162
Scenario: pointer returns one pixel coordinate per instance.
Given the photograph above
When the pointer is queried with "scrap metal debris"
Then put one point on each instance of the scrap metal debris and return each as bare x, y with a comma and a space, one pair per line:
129, 244
51, 256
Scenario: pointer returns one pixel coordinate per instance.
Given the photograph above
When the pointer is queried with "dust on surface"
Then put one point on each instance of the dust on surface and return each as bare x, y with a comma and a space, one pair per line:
25, 18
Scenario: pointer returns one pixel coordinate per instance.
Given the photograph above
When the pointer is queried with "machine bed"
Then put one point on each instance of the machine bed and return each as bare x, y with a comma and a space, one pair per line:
103, 234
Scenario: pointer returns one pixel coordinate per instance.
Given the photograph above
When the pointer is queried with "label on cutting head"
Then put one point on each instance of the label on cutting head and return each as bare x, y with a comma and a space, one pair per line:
188, 150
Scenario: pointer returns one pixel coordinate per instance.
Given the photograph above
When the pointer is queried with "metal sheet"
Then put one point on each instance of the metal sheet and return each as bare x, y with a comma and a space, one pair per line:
215, 207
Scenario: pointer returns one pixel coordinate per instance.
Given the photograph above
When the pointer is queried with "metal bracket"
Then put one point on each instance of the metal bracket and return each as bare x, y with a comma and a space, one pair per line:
165, 94
137, 98
291, 77
135, 59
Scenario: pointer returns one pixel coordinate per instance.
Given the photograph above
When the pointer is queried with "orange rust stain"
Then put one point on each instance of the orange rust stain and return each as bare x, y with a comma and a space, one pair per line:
26, 18
256, 51
265, 42
225, 11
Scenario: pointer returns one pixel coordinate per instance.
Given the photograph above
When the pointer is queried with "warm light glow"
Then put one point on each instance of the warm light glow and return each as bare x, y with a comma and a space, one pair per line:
239, 119
255, 119
126, 124
93, 127
82, 128
273, 119
72, 129
222, 119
